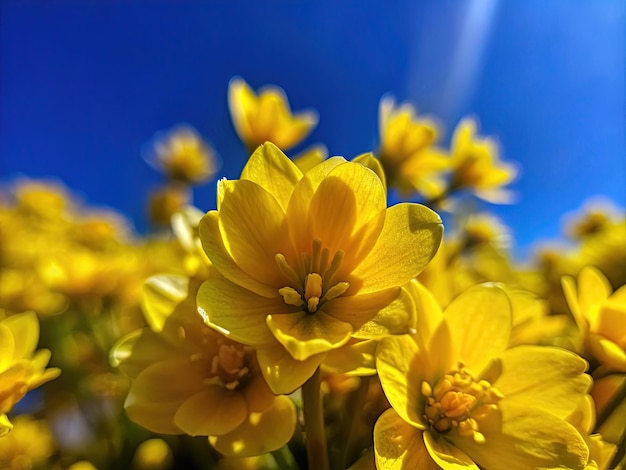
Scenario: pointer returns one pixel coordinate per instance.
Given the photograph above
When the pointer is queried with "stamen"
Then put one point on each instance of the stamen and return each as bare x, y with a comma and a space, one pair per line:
287, 270
291, 296
312, 304
336, 291
313, 283
324, 261
315, 255
334, 267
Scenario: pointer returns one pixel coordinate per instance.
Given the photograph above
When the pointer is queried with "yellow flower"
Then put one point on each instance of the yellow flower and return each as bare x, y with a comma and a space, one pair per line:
28, 446
182, 155
309, 261
461, 399
189, 379
601, 317
476, 166
406, 150
266, 116
21, 368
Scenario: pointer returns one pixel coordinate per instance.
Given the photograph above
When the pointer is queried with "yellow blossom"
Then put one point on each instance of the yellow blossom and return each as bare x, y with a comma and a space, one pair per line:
476, 166
309, 261
21, 367
266, 116
189, 379
29, 445
407, 151
461, 399
601, 317
182, 155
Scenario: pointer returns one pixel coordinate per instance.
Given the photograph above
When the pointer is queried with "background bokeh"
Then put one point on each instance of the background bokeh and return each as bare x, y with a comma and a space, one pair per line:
85, 84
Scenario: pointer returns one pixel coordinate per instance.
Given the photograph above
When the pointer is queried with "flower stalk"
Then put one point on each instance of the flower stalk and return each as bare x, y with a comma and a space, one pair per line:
317, 453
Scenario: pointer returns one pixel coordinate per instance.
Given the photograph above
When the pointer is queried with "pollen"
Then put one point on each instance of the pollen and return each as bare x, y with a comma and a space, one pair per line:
458, 403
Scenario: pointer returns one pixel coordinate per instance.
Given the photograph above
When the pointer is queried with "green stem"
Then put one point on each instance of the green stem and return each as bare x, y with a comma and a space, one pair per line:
350, 424
284, 458
317, 454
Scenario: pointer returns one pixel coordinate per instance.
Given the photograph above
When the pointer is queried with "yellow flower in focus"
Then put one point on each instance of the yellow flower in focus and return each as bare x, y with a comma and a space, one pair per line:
461, 399
21, 367
601, 317
182, 155
28, 446
476, 166
406, 151
309, 261
266, 116
189, 379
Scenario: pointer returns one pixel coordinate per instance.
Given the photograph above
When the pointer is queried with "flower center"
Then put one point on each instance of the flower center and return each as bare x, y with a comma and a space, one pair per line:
228, 366
459, 402
313, 282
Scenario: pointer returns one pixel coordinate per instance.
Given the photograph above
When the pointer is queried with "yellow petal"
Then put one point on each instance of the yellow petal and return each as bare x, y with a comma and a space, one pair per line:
368, 160
347, 212
480, 325
397, 361
213, 246
568, 284
257, 394
353, 359
254, 230
427, 311
305, 335
5, 425
409, 239
593, 290
155, 417
395, 318
530, 438
445, 454
607, 353
167, 381
237, 312
241, 100
359, 309
270, 168
213, 411
283, 373
260, 432
310, 157
543, 377
399, 446
161, 294
611, 321
7, 347
25, 330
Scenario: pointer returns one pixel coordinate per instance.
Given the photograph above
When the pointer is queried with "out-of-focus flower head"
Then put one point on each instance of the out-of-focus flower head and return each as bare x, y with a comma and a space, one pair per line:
407, 152
476, 166
29, 445
595, 216
22, 368
309, 261
167, 201
182, 155
600, 315
461, 399
266, 116
189, 379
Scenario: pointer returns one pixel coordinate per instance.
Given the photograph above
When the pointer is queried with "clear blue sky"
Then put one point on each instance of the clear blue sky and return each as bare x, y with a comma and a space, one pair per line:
84, 84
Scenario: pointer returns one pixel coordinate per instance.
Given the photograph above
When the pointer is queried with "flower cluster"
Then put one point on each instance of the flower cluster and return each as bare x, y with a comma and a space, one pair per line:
306, 322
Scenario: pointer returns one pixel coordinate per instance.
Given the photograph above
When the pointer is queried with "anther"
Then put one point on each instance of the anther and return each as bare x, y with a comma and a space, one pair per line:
291, 296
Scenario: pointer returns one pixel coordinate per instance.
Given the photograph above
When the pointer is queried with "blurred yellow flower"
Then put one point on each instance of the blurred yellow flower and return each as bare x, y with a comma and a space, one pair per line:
182, 155
476, 166
309, 261
601, 318
461, 399
189, 379
407, 152
28, 446
266, 116
21, 367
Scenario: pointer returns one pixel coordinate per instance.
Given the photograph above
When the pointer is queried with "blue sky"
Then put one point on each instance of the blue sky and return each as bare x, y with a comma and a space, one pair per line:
84, 84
